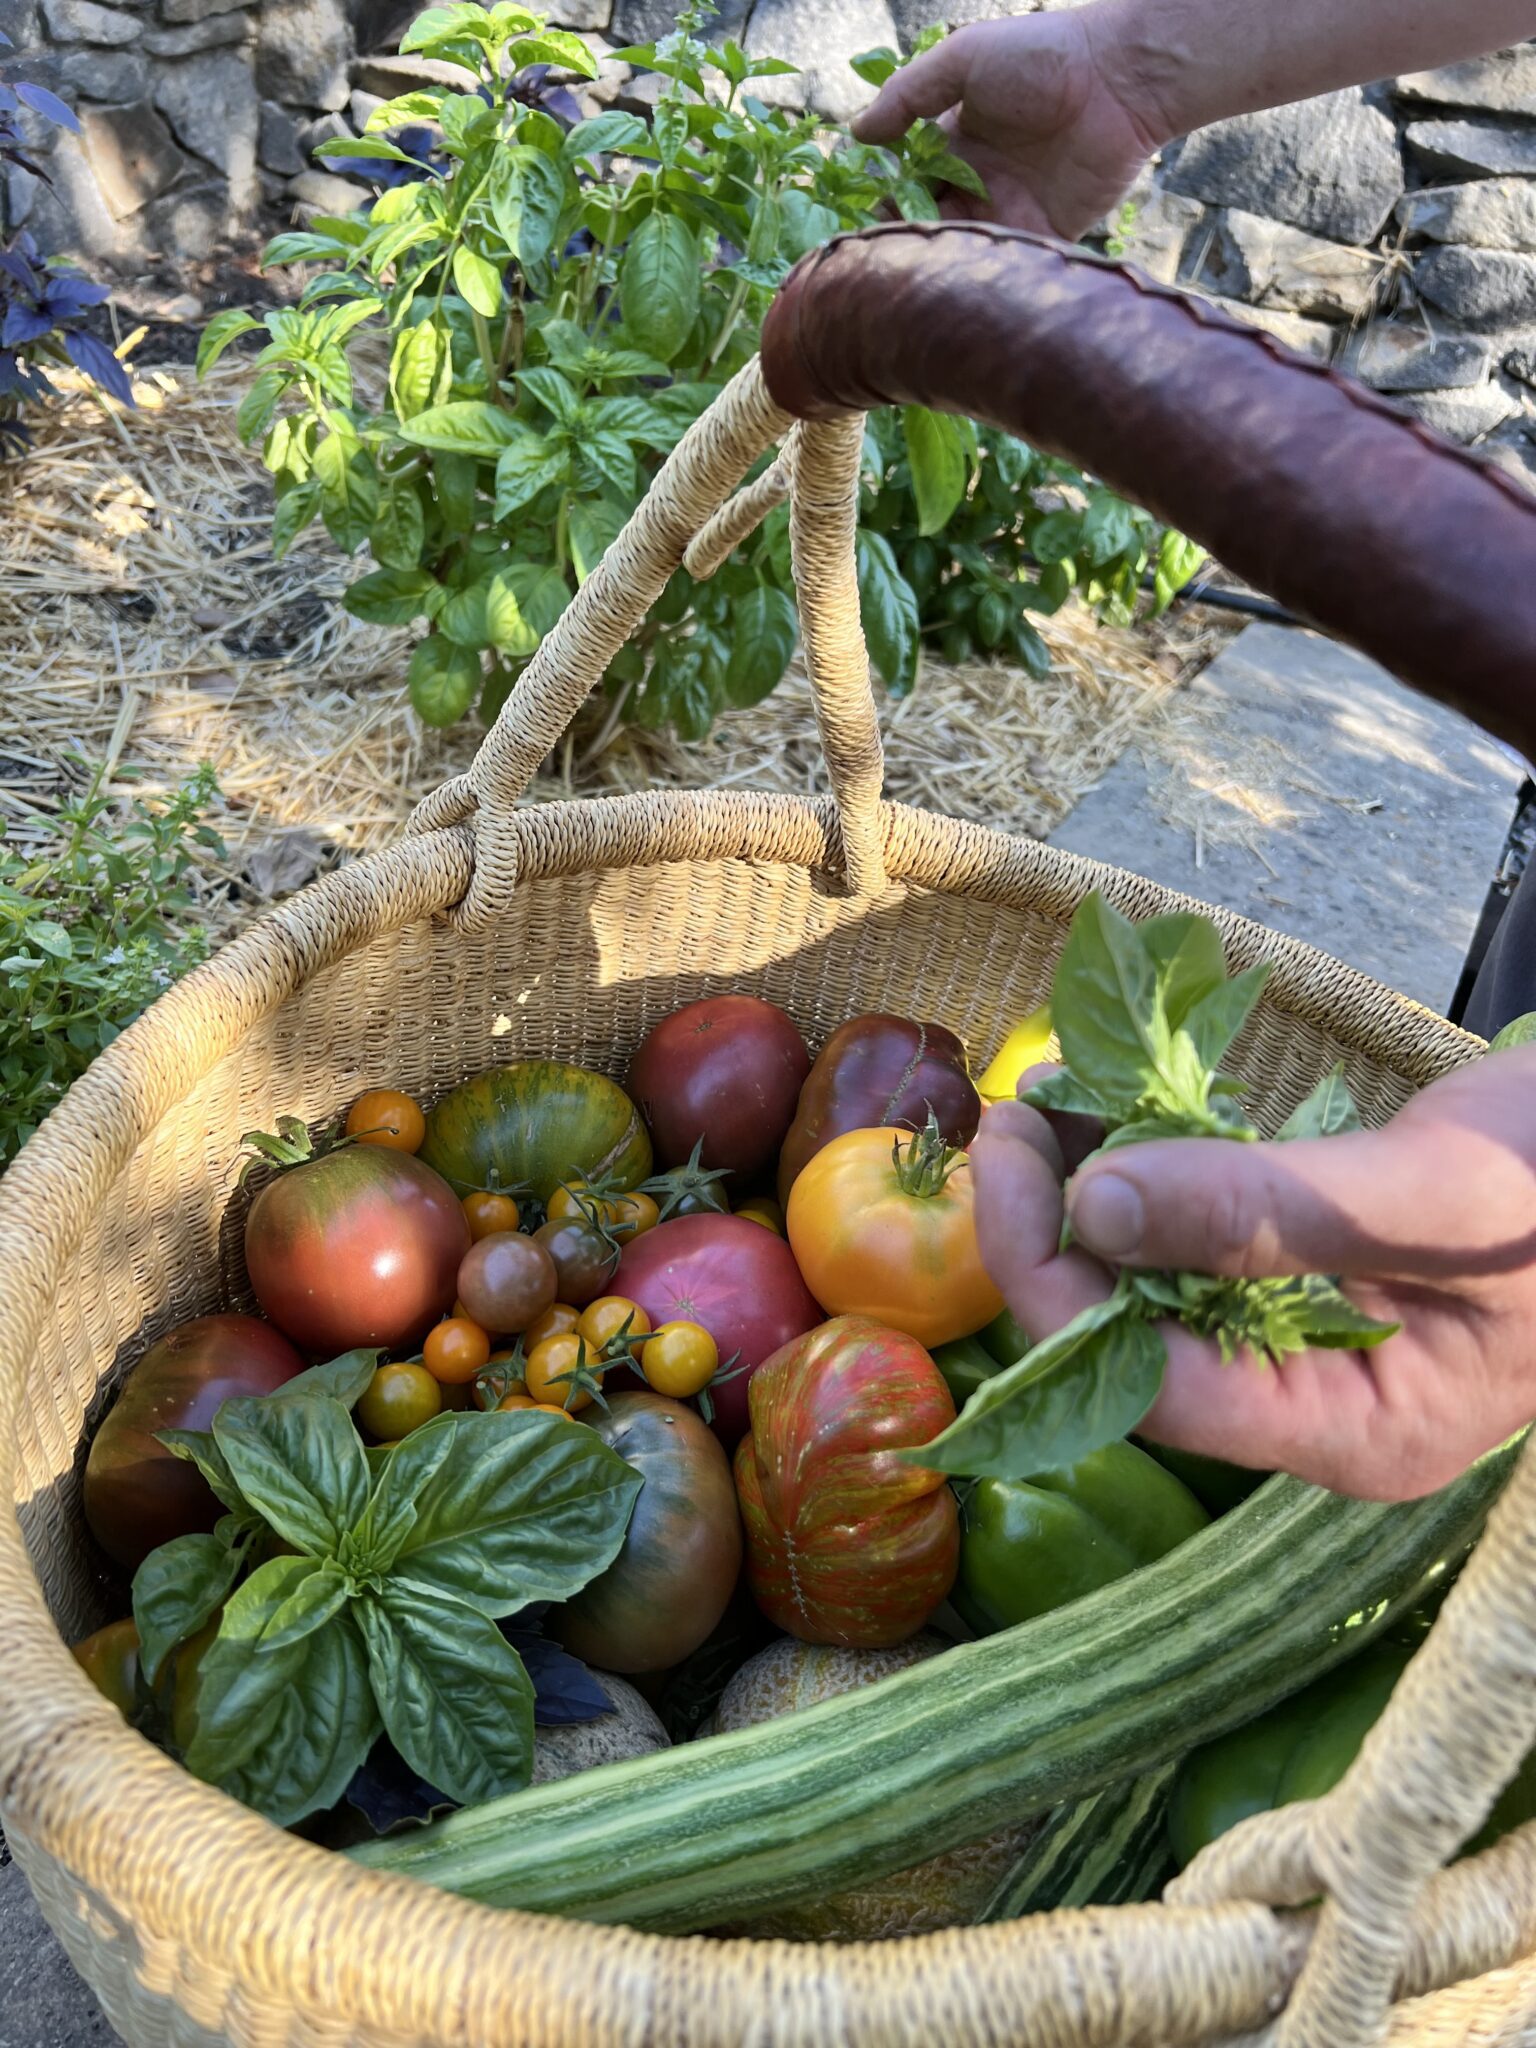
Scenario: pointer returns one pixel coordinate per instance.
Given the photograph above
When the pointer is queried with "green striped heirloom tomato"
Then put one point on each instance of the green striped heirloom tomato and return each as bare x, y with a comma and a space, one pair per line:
847, 1543
1028, 1545
533, 1125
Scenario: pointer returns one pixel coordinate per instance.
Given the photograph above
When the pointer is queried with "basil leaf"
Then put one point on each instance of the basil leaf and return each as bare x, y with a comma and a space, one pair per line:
1221, 1013
1065, 1094
1105, 1006
176, 1590
524, 1508
659, 284
564, 1690
240, 1691
300, 1463
888, 611
1186, 948
1329, 1109
455, 1698
326, 1722
937, 463
764, 628
1081, 1389
1331, 1320
314, 1597
197, 1447
1518, 1031
390, 1515
343, 1379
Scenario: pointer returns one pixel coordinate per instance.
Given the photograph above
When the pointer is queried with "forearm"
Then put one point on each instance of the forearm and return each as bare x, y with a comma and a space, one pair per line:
1182, 63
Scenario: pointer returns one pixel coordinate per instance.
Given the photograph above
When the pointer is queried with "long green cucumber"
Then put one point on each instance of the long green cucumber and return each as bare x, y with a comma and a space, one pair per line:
1110, 1849
1107, 1688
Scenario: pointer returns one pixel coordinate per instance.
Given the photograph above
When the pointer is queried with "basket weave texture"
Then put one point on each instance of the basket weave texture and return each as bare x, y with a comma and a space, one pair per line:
495, 932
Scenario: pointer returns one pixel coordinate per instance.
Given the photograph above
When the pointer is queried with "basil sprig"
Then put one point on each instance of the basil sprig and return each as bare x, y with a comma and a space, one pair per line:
1144, 1013
380, 1609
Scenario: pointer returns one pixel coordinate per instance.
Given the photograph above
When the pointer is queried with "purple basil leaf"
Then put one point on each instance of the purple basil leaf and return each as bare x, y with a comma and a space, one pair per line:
560, 101
7, 98
48, 104
98, 362
21, 325
388, 1793
564, 1690
5, 41
68, 294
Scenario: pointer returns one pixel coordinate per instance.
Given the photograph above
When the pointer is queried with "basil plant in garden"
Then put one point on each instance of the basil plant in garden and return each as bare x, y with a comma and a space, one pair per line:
561, 298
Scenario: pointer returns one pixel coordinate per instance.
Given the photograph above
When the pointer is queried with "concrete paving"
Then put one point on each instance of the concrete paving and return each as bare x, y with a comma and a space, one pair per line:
1372, 818
1385, 818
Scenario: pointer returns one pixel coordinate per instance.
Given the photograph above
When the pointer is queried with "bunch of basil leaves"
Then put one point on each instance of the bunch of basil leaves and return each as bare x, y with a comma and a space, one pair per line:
361, 1589
1144, 1013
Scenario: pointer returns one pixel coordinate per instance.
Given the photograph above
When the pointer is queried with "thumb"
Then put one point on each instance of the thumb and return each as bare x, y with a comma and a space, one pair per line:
927, 86
1414, 1201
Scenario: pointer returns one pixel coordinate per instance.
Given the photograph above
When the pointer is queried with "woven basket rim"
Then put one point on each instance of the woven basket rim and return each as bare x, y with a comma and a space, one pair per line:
78, 1783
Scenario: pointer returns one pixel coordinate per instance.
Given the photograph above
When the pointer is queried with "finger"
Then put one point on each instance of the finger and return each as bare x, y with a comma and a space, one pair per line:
1016, 1169
1078, 1136
926, 86
1418, 1201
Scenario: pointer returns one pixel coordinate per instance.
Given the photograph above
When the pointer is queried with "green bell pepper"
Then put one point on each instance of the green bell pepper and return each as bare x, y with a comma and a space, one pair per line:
965, 1365
1027, 1545
1301, 1749
1217, 1485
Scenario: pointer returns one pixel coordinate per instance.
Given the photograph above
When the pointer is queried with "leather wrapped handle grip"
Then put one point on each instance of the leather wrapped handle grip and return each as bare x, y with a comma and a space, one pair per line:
1304, 483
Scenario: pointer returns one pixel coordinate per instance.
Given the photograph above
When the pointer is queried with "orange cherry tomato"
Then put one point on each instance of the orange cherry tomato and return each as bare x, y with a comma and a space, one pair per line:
516, 1401
547, 1408
455, 1351
386, 1117
634, 1215
681, 1359
487, 1212
611, 1316
622, 1216
765, 1210
893, 1237
558, 1320
553, 1372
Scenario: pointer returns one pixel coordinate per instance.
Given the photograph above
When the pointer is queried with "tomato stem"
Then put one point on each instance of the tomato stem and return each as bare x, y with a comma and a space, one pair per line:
925, 1162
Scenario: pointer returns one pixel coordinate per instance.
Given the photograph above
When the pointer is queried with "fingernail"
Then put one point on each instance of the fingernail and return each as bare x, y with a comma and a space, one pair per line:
1107, 1215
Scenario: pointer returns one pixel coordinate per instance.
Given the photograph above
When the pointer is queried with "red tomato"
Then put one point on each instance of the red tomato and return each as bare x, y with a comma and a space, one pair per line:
727, 1071
846, 1543
359, 1247
137, 1495
736, 1280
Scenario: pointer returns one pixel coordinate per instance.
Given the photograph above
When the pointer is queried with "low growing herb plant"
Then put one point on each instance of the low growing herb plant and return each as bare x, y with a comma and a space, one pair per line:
1144, 1014
358, 1591
92, 927
561, 298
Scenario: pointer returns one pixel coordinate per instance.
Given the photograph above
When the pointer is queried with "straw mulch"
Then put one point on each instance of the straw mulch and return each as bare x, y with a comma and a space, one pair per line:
144, 622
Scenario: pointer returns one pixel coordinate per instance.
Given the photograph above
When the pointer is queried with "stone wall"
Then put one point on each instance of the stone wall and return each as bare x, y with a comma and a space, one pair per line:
1391, 228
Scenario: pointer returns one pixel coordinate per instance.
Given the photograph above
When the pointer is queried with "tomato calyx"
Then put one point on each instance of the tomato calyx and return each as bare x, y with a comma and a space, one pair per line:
585, 1376
925, 1162
728, 1369
291, 1144
502, 1375
690, 1189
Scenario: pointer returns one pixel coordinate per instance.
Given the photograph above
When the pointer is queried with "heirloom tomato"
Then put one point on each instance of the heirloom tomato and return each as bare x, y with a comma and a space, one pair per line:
507, 1281
846, 1542
137, 1494
736, 1280
723, 1075
586, 1257
533, 1125
673, 1579
885, 1072
354, 1248
882, 1225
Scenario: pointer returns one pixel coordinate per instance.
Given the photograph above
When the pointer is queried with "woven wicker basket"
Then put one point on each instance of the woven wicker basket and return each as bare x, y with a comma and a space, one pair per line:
567, 930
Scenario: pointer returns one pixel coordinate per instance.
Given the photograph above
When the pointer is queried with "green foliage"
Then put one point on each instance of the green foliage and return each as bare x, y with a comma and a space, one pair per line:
561, 300
1144, 1014
358, 1591
92, 928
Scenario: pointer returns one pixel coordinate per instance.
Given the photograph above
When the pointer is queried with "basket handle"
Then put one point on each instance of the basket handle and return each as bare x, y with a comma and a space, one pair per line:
688, 516
1306, 484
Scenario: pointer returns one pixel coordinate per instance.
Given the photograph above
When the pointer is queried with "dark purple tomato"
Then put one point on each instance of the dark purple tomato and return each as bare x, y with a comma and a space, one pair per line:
727, 1071
673, 1579
137, 1495
506, 1281
359, 1247
586, 1259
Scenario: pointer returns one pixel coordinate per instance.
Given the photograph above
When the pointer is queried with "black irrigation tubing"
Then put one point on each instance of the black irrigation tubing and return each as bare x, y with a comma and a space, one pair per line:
1244, 601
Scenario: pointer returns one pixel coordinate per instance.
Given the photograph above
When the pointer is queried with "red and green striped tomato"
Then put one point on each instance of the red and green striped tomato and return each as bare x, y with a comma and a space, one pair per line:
533, 1125
674, 1577
359, 1247
846, 1543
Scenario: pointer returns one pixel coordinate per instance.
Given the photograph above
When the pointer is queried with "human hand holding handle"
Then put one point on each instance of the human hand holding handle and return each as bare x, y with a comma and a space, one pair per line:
1429, 1222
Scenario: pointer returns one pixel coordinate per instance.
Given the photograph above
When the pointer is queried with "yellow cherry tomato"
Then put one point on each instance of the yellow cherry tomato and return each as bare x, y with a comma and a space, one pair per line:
1025, 1046
455, 1351
386, 1117
398, 1399
681, 1359
551, 1374
765, 1210
487, 1212
622, 1216
558, 1320
611, 1316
